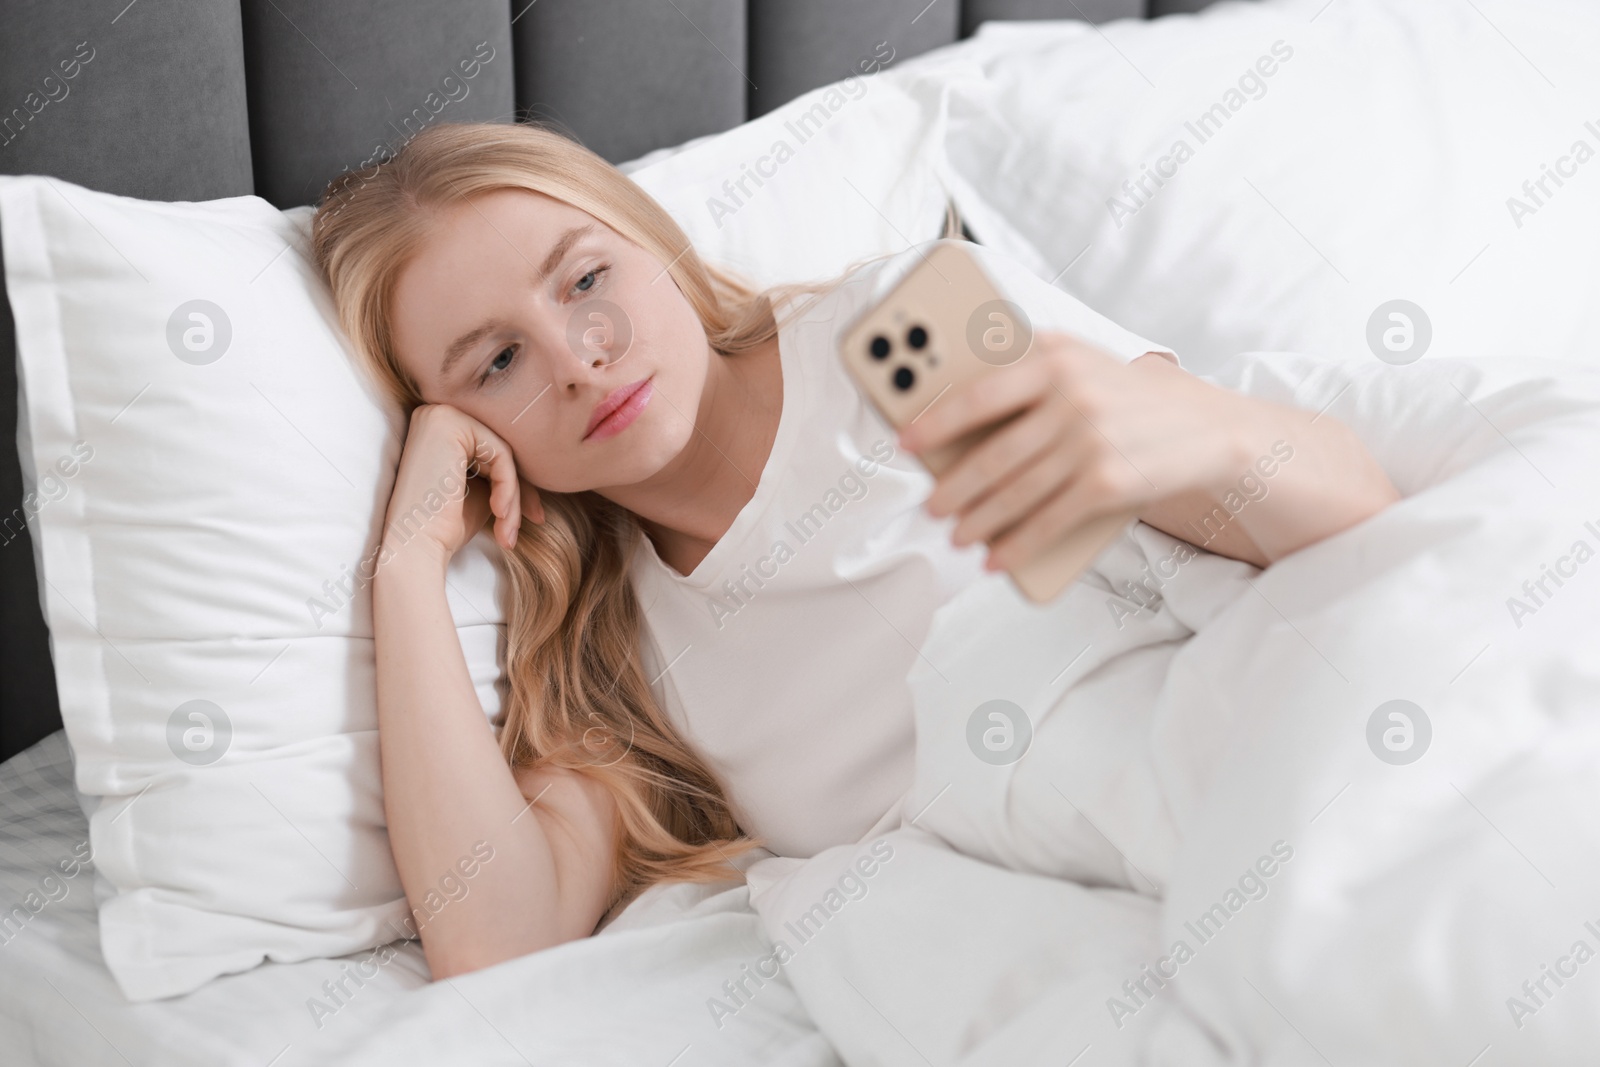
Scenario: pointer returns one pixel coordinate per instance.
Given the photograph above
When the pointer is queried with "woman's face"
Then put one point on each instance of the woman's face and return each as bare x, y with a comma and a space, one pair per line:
527, 314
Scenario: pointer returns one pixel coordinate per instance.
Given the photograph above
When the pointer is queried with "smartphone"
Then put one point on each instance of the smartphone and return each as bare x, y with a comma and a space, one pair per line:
944, 324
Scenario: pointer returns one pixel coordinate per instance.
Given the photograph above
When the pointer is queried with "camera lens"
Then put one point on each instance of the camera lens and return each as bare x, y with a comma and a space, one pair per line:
880, 347
903, 378
916, 337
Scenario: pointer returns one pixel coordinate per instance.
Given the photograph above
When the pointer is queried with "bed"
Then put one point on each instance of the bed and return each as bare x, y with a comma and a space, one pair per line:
1421, 896
208, 98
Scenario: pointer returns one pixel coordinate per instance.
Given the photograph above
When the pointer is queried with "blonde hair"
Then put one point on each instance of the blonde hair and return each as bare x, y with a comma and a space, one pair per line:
572, 653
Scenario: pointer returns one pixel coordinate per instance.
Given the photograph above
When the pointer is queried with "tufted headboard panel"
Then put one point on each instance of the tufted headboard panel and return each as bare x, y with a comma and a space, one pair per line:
202, 99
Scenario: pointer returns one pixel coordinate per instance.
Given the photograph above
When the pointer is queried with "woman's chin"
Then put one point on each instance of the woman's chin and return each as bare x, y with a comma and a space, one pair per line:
631, 463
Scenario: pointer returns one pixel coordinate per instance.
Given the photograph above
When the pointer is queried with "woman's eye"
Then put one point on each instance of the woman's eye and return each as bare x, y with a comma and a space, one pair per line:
590, 280
499, 363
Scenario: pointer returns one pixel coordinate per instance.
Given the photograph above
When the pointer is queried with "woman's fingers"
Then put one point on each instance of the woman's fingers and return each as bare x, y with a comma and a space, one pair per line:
1098, 489
445, 447
976, 403
505, 497
998, 458
492, 460
1024, 491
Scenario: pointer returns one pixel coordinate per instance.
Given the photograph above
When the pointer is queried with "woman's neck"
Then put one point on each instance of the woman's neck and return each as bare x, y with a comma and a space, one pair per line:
687, 507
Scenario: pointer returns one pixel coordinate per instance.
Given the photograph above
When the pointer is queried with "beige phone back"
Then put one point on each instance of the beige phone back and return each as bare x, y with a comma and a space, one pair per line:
943, 325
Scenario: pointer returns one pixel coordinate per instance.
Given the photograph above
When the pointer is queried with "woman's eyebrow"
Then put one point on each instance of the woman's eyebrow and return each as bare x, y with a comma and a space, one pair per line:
464, 344
558, 251
563, 245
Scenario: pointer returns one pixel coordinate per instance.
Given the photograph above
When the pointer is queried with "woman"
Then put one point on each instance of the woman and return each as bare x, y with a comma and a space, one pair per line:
676, 698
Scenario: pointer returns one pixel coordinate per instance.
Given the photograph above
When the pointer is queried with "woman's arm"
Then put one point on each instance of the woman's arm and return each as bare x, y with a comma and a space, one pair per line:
1300, 477
446, 785
1242, 477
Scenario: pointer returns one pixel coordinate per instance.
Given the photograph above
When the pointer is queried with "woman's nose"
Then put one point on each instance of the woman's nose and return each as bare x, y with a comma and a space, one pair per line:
599, 333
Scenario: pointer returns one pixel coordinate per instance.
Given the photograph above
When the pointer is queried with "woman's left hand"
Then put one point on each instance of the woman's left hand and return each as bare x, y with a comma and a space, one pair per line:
1094, 435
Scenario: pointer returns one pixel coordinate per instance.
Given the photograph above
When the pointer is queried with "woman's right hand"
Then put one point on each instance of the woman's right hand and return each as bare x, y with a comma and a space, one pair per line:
452, 458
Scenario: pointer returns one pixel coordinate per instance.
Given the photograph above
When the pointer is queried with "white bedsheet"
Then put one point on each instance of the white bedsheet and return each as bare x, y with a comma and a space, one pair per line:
635, 993
1371, 912
58, 1002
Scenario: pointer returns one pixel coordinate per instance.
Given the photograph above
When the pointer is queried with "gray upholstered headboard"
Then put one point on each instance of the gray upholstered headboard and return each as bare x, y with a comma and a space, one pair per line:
200, 99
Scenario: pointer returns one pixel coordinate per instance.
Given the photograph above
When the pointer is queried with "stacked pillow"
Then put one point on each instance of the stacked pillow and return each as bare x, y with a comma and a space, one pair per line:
1294, 174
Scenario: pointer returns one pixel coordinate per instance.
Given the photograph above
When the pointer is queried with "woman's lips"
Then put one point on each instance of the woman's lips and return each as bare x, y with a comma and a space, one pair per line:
618, 410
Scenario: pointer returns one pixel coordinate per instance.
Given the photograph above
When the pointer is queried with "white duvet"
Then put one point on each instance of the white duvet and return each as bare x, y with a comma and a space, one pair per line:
1201, 858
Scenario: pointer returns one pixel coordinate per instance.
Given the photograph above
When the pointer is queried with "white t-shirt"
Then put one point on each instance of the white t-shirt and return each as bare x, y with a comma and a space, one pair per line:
782, 658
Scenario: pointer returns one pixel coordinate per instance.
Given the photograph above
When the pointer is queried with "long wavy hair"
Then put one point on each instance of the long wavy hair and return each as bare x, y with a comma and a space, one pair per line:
578, 695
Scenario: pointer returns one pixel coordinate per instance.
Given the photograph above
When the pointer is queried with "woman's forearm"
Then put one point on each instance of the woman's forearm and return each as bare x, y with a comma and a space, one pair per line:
447, 788
1300, 477
1093, 435
1329, 483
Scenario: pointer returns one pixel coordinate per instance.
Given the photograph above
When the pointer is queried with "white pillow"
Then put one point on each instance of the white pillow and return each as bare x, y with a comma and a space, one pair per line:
1375, 162
841, 173
192, 514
